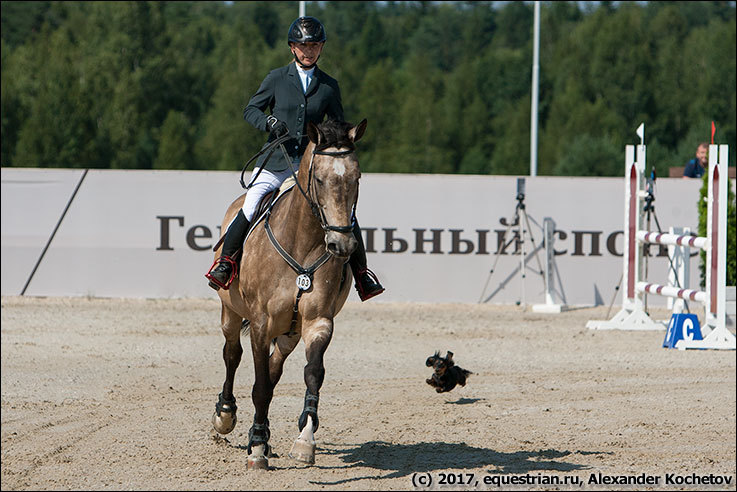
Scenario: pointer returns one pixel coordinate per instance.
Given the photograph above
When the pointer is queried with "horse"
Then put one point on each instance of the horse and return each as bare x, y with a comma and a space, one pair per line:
277, 299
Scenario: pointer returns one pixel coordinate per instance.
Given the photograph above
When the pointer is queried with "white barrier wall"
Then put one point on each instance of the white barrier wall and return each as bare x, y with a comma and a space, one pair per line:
429, 238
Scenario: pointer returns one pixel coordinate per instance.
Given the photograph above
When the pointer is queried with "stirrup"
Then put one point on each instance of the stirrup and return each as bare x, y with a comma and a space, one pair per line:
365, 296
215, 283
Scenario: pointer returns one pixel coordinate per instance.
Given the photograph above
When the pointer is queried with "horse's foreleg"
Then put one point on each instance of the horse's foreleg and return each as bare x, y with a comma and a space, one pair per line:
317, 338
283, 347
224, 418
263, 391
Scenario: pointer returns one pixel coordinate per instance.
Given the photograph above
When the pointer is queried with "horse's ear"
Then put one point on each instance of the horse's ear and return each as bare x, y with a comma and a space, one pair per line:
356, 132
313, 133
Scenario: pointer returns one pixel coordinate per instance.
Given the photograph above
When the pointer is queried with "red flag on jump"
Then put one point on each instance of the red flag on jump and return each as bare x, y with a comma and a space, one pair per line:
713, 131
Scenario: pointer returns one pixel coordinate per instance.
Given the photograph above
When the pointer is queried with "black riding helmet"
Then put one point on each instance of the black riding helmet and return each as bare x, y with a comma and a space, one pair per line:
306, 30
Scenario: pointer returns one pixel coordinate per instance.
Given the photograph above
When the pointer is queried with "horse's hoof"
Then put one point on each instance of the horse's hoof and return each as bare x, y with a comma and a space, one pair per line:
303, 451
258, 460
225, 422
258, 463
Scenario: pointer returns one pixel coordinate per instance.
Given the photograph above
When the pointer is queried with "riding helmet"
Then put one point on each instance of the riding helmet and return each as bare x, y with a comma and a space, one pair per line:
306, 30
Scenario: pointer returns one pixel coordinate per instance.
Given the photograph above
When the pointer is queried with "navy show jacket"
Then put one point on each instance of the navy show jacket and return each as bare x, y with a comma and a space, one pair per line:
281, 92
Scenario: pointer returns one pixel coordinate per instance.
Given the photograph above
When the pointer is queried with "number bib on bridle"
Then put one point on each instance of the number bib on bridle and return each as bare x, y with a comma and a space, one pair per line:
304, 282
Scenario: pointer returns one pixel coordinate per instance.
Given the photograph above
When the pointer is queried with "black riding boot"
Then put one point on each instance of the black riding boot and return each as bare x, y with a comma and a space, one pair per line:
226, 266
367, 284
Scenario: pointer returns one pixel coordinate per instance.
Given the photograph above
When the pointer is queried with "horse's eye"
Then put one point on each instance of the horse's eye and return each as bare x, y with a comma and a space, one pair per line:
318, 180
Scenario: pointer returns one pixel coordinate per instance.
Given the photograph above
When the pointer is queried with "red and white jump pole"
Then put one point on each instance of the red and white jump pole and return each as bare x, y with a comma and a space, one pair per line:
632, 316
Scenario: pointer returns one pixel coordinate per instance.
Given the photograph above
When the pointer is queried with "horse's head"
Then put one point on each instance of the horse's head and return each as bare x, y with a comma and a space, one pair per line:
333, 181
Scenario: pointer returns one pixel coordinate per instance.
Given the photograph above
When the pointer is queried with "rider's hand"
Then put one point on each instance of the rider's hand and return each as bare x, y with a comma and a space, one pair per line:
276, 126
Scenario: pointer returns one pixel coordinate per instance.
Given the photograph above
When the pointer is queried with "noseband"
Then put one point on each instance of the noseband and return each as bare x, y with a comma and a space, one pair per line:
338, 153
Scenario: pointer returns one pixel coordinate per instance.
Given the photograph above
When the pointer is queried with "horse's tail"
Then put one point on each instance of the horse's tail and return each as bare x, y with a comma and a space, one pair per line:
245, 327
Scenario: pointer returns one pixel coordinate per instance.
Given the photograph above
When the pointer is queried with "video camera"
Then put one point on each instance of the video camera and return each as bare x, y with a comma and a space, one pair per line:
650, 189
520, 189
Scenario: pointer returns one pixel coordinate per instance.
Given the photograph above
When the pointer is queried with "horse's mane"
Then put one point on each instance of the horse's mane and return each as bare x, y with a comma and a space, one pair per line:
335, 134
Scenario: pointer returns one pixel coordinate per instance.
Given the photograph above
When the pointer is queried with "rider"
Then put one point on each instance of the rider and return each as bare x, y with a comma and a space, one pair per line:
295, 94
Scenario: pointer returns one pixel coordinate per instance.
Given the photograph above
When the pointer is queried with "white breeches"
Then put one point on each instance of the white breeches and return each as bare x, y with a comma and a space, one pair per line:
265, 182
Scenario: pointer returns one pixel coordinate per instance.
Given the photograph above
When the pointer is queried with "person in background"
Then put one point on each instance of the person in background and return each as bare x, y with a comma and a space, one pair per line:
696, 167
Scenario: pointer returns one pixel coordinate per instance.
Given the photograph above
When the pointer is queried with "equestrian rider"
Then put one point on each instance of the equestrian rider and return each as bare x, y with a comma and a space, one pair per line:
295, 94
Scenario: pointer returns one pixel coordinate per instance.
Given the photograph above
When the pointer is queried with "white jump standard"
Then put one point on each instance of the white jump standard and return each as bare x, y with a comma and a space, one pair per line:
552, 305
632, 315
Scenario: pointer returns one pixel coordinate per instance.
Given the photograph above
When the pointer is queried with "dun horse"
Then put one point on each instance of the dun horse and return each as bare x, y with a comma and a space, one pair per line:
293, 280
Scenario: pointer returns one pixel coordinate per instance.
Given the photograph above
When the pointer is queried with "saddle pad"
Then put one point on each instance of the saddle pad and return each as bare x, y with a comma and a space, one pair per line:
285, 188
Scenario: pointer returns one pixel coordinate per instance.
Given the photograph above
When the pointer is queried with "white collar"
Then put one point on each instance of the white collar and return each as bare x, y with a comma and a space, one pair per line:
302, 71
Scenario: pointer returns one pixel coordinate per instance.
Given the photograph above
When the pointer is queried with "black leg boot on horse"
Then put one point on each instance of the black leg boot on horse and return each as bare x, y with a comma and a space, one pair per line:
367, 284
225, 268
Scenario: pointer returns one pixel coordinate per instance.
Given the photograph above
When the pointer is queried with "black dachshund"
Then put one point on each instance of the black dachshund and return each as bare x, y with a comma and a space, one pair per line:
447, 375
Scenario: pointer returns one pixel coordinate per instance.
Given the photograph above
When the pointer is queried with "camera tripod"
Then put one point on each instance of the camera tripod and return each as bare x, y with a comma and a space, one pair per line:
522, 221
649, 210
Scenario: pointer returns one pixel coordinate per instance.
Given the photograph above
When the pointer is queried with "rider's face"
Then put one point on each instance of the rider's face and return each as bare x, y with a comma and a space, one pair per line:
306, 53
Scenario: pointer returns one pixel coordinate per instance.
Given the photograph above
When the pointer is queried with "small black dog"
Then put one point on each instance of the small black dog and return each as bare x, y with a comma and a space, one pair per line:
447, 375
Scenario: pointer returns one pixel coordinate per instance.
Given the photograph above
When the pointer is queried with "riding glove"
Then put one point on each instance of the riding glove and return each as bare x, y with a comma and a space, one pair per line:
276, 126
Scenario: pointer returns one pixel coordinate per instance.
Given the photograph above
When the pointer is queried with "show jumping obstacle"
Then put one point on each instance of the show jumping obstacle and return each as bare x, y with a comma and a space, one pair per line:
632, 316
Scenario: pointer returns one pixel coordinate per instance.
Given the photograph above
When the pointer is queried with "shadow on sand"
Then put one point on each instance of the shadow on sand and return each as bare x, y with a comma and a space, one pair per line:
465, 401
403, 460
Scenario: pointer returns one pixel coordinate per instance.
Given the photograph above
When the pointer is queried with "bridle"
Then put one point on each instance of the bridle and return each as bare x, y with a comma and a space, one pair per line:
317, 209
315, 204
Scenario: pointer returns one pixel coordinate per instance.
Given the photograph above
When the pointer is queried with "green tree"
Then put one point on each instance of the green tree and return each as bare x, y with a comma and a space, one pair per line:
417, 150
377, 102
731, 230
514, 25
666, 34
11, 107
226, 141
511, 153
445, 85
711, 77
175, 145
57, 128
586, 155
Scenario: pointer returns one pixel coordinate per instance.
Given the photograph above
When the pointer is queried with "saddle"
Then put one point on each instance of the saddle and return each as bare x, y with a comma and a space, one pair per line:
264, 205
266, 202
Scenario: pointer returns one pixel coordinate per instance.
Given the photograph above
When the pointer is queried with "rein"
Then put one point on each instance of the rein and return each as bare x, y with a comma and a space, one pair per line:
314, 204
270, 148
